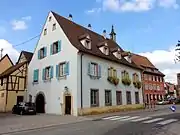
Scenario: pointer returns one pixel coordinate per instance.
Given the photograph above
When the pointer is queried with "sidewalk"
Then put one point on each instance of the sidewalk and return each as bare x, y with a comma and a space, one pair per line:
23, 123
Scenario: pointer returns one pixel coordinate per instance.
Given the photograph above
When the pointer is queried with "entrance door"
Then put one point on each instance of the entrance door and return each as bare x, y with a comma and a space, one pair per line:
40, 102
67, 104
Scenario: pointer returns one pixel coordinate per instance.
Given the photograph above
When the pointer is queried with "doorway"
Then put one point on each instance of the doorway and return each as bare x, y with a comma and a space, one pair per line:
40, 103
67, 105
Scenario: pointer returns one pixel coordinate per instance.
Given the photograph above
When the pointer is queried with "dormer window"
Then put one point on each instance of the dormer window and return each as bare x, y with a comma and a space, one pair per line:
106, 50
85, 41
117, 53
87, 44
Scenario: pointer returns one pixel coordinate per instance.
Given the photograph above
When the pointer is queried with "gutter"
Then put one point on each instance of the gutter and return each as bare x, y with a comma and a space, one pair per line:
81, 82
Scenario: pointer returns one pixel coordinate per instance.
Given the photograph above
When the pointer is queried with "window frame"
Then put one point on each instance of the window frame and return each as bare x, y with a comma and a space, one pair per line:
118, 98
94, 97
108, 97
128, 94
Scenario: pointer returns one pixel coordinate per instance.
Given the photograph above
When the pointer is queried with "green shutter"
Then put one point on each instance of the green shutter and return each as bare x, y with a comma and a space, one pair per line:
59, 45
37, 74
52, 72
34, 76
51, 49
43, 74
67, 68
89, 68
38, 54
99, 70
45, 51
57, 71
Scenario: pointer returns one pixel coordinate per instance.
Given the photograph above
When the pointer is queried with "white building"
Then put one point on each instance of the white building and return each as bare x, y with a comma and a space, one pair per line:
68, 73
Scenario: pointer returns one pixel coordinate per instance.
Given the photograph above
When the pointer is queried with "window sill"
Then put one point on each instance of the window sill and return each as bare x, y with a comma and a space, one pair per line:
64, 77
94, 77
47, 80
34, 83
93, 106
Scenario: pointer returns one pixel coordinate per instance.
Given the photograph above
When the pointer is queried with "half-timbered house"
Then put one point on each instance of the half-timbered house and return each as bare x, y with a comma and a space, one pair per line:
13, 82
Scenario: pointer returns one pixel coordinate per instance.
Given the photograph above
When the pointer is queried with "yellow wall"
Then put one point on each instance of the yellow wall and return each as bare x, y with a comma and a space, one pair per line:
5, 64
12, 98
13, 88
2, 101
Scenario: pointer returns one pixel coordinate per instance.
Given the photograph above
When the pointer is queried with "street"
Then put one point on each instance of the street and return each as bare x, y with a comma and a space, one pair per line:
140, 123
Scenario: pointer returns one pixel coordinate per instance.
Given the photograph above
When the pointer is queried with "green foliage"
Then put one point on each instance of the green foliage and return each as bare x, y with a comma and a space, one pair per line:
113, 80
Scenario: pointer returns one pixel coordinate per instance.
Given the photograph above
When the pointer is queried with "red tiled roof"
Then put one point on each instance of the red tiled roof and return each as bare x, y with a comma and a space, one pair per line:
74, 31
144, 62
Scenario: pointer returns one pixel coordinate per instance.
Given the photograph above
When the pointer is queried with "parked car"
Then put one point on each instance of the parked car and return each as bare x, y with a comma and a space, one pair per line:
24, 108
162, 102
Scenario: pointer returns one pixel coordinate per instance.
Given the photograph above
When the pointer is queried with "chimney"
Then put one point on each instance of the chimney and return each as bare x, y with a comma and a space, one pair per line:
89, 26
70, 17
104, 34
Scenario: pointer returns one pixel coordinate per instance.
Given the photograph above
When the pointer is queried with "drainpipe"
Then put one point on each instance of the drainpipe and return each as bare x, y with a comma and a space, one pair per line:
143, 93
81, 82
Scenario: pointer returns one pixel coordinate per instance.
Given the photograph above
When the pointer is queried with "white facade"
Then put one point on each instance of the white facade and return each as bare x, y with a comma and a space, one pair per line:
102, 84
54, 89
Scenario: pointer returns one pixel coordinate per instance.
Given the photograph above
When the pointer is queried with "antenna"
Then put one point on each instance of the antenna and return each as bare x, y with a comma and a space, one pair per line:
1, 52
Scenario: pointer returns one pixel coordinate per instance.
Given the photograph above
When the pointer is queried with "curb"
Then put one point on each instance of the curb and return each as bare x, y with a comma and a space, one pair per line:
37, 128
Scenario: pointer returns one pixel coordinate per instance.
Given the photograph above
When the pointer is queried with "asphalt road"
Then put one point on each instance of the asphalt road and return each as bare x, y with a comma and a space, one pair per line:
117, 125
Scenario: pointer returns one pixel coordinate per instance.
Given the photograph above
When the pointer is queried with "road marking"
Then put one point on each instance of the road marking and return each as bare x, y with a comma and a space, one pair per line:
167, 121
153, 120
141, 119
131, 118
123, 117
110, 117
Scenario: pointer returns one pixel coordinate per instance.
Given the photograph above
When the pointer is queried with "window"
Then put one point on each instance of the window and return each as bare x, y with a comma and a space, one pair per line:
118, 97
94, 69
135, 77
137, 97
150, 87
128, 97
112, 72
50, 18
2, 95
87, 44
150, 77
106, 50
154, 86
47, 73
55, 47
42, 53
146, 86
1, 82
108, 99
94, 97
62, 69
158, 87
145, 77
54, 27
45, 31
36, 75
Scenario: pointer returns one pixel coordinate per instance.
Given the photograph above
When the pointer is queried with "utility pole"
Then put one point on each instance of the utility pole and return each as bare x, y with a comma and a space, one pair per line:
1, 52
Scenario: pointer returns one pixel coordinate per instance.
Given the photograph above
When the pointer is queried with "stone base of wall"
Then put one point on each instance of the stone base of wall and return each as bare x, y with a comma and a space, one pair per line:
109, 109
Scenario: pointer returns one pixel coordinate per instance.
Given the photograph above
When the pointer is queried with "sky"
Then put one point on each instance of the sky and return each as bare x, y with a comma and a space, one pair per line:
147, 27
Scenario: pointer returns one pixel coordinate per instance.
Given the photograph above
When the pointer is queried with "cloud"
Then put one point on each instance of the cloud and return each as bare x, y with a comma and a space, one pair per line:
8, 49
20, 24
168, 3
164, 61
93, 10
135, 5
